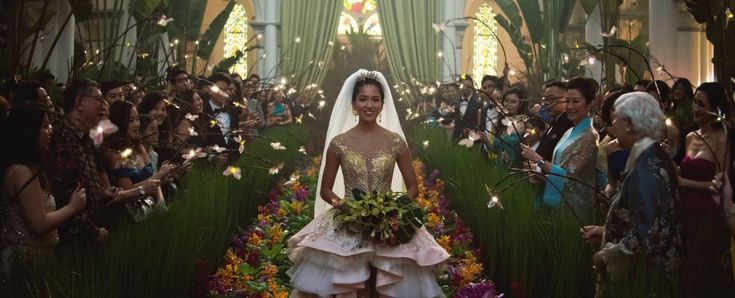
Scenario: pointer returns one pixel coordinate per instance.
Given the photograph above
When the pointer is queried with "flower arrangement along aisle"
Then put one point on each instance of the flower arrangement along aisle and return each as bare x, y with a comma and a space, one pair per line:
256, 264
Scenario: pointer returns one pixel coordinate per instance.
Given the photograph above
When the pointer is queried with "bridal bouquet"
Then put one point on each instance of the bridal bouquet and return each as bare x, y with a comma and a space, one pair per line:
385, 218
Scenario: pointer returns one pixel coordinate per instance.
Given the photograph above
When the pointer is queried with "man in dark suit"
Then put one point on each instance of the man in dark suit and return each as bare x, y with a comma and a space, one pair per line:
555, 105
225, 115
465, 109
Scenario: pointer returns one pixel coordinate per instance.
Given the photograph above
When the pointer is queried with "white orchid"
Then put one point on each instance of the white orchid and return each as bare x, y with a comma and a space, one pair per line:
192, 154
193, 132
277, 146
274, 169
302, 150
191, 117
438, 27
104, 127
233, 171
218, 149
163, 21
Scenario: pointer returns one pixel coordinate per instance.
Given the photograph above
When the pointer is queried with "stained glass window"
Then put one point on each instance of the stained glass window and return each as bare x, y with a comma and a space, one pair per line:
347, 24
236, 35
485, 47
372, 25
359, 15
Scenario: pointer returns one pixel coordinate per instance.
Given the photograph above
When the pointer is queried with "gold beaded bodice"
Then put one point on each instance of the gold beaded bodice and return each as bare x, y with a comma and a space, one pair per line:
368, 169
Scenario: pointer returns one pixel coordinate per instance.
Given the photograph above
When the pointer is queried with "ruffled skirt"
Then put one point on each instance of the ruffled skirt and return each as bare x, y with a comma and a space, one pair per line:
330, 262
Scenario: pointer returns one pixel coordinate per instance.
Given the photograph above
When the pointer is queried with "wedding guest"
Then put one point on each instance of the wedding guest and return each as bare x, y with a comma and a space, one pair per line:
554, 104
682, 96
226, 116
535, 129
466, 108
641, 85
190, 118
447, 97
178, 81
708, 265
113, 91
278, 111
615, 157
488, 115
511, 128
29, 217
643, 226
574, 156
72, 162
128, 163
154, 105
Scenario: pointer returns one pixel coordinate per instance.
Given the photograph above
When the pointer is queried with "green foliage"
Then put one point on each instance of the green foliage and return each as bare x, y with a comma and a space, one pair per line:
541, 52
143, 9
720, 30
82, 9
209, 39
187, 17
157, 258
227, 63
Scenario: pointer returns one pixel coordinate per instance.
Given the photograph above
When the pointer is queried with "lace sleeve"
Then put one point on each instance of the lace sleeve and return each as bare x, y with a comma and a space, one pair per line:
583, 154
337, 146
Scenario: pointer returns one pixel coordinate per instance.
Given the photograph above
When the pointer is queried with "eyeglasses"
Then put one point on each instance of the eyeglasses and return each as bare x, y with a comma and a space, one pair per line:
97, 97
550, 98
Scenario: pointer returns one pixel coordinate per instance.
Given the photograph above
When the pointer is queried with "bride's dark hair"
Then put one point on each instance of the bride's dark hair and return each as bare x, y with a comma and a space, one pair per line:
367, 80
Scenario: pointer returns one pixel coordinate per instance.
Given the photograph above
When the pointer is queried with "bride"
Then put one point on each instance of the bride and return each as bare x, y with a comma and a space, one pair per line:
364, 146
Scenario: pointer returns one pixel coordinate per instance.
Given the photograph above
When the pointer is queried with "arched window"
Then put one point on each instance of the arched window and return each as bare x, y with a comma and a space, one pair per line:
359, 15
236, 35
484, 45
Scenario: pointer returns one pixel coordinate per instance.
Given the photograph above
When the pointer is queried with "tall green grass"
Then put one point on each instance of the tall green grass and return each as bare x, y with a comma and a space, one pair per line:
158, 258
538, 250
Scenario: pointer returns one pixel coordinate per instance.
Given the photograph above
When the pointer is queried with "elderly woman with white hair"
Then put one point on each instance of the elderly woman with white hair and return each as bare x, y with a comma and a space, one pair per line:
643, 224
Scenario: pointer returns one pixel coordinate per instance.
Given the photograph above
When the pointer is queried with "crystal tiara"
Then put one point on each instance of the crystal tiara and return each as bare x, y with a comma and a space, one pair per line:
369, 75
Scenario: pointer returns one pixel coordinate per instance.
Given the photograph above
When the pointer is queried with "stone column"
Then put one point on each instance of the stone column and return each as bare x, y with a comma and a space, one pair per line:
448, 41
63, 52
451, 43
267, 21
593, 36
662, 34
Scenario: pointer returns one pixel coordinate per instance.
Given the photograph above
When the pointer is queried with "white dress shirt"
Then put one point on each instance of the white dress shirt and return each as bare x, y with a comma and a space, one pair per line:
223, 120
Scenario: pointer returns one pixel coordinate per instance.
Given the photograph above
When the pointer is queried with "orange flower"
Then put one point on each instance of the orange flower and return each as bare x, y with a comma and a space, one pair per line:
469, 270
255, 239
274, 233
446, 242
433, 220
269, 270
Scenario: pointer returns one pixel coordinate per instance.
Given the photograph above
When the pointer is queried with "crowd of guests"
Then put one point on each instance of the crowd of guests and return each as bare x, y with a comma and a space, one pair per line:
649, 159
76, 167
655, 161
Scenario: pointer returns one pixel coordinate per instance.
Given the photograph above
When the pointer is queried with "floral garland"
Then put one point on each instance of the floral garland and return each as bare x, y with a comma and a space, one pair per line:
256, 264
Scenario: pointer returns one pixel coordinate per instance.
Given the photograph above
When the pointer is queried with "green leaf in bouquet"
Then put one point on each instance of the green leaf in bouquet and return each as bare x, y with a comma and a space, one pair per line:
405, 233
358, 194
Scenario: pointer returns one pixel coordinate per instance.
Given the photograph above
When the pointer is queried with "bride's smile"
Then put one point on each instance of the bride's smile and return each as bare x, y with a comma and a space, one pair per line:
368, 103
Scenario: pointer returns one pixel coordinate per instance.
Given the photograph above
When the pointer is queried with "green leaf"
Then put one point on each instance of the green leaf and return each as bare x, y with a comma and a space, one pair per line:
209, 39
144, 9
511, 11
588, 5
534, 19
225, 64
82, 9
187, 19
565, 14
